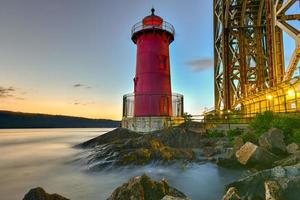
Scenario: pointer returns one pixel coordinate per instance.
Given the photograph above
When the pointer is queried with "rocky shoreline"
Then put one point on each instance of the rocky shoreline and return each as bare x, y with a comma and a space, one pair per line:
274, 167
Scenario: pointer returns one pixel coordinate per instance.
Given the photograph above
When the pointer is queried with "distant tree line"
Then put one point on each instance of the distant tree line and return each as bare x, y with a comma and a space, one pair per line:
10, 119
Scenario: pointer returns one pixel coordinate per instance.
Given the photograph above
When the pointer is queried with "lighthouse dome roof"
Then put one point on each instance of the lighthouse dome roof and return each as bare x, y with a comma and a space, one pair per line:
153, 20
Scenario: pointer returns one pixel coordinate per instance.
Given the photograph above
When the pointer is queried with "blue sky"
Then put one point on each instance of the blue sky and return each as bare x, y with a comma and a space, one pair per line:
75, 57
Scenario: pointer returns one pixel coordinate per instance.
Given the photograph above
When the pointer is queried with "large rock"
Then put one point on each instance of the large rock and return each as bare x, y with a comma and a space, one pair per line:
167, 197
290, 160
40, 194
273, 140
273, 190
116, 136
228, 159
143, 188
292, 148
123, 147
276, 183
252, 155
232, 194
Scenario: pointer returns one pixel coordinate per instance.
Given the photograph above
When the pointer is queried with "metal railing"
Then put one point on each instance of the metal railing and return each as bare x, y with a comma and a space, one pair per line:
176, 99
164, 26
233, 117
283, 98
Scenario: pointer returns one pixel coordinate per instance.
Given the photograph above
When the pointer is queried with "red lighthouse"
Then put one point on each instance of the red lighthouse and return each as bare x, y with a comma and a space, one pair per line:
152, 106
152, 83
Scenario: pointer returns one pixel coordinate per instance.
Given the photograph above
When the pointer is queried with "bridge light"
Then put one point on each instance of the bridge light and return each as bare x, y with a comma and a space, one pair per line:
269, 97
291, 93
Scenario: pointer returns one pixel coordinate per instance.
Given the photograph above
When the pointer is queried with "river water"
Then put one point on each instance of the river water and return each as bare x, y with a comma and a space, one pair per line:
45, 158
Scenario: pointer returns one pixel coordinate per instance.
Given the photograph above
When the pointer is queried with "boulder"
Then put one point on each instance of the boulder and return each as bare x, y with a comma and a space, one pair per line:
228, 159
252, 155
167, 197
276, 183
273, 190
124, 147
40, 194
143, 188
273, 140
232, 194
209, 151
221, 144
290, 160
117, 135
292, 148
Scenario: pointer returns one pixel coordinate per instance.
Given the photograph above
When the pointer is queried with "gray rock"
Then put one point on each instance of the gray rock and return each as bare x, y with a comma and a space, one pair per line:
292, 148
232, 194
123, 147
273, 140
167, 197
228, 159
143, 188
273, 190
290, 160
279, 182
253, 155
40, 194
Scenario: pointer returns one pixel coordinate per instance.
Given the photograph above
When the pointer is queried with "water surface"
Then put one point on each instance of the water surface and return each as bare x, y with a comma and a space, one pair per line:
45, 157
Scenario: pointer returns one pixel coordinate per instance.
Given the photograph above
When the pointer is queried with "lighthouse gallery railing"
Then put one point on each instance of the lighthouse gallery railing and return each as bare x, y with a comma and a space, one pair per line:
177, 103
165, 26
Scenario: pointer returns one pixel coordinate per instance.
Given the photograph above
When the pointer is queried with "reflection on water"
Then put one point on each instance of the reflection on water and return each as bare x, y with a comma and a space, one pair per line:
43, 157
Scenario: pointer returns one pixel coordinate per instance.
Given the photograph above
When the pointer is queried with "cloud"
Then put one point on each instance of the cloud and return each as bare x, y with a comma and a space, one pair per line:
201, 64
79, 85
7, 92
11, 92
79, 103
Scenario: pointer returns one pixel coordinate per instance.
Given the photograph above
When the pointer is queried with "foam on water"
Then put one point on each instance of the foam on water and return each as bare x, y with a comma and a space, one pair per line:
44, 157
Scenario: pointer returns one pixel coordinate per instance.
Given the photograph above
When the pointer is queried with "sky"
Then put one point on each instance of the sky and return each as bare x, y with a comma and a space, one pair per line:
76, 57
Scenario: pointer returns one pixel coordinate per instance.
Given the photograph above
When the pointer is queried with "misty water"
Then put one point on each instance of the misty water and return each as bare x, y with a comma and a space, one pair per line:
45, 158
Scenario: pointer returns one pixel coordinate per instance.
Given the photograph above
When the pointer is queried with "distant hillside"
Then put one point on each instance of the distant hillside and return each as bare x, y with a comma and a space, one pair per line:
10, 119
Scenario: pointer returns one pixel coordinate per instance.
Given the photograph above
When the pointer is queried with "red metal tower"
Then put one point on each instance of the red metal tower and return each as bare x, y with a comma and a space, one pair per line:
152, 106
152, 83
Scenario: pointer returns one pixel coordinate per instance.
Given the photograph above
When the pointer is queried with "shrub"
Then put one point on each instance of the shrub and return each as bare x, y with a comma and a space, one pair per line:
215, 133
294, 137
187, 120
262, 122
234, 132
286, 123
250, 137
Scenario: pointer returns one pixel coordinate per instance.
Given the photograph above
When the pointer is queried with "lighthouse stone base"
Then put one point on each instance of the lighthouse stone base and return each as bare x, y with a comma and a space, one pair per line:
146, 124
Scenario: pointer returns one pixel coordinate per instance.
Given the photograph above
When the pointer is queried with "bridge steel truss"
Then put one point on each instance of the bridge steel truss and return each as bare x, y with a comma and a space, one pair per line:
248, 49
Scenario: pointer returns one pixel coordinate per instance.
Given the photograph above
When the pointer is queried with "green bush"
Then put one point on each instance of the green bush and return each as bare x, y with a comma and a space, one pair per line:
250, 137
262, 122
234, 132
187, 119
215, 133
288, 123
294, 137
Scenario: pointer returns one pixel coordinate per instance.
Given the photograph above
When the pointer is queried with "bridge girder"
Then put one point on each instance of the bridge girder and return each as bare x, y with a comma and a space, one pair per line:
248, 48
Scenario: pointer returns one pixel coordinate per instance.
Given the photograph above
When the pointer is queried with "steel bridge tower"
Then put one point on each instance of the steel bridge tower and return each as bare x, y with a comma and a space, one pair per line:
249, 58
